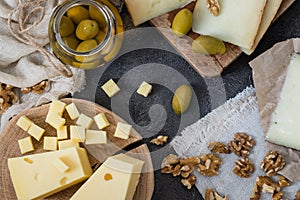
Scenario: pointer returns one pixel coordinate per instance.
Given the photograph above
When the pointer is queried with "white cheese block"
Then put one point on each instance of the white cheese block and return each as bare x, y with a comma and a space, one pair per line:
62, 133
50, 143
284, 125
64, 144
36, 131
84, 121
144, 10
72, 111
110, 88
101, 121
271, 9
95, 137
34, 177
24, 123
77, 133
25, 145
116, 179
57, 106
237, 23
122, 130
144, 89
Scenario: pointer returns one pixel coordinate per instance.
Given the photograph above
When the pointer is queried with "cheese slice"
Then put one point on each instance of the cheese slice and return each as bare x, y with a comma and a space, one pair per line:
237, 23
271, 9
35, 177
284, 125
144, 10
116, 179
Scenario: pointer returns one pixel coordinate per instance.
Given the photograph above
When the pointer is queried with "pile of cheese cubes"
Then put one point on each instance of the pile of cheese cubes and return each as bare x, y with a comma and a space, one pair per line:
80, 132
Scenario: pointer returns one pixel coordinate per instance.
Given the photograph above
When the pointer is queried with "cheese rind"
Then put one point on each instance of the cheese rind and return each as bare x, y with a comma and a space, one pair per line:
116, 179
25, 145
77, 133
50, 143
284, 125
122, 130
110, 88
64, 144
72, 111
24, 123
62, 133
57, 106
84, 121
101, 121
144, 89
36, 131
95, 137
34, 177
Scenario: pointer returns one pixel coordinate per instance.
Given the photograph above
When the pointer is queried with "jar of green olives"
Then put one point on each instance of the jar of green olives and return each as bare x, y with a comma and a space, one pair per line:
85, 33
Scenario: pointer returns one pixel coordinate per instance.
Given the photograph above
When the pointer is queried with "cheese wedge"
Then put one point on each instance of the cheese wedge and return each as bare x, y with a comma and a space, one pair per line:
237, 23
271, 9
35, 176
116, 179
144, 10
284, 125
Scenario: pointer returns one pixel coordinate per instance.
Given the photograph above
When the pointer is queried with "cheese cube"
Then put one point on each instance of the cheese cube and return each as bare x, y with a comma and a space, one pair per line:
55, 120
36, 131
101, 121
50, 143
123, 130
24, 123
77, 133
110, 88
34, 177
72, 111
64, 144
84, 121
95, 137
62, 133
60, 165
115, 179
57, 106
144, 89
25, 145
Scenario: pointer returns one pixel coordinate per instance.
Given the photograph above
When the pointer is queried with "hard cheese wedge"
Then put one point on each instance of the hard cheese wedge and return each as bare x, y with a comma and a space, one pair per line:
237, 23
36, 176
284, 125
116, 179
144, 10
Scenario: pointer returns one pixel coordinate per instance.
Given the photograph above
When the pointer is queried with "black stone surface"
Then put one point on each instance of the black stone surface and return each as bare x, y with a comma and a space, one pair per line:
149, 48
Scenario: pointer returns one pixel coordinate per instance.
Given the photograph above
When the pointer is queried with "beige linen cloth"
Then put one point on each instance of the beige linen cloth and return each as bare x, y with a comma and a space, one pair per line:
22, 65
239, 114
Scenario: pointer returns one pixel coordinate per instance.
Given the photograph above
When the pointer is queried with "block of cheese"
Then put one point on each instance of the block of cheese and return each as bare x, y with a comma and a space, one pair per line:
62, 133
55, 120
60, 165
67, 144
95, 137
101, 121
36, 131
77, 133
84, 121
123, 130
269, 14
34, 177
72, 111
144, 10
116, 179
57, 106
110, 88
237, 23
284, 125
24, 123
144, 89
50, 143
25, 145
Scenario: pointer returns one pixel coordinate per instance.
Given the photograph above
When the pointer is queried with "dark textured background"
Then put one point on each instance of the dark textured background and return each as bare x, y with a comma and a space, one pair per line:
234, 79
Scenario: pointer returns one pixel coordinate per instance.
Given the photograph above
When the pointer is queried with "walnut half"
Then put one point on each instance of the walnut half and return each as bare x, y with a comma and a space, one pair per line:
210, 194
218, 147
242, 144
7, 97
297, 196
272, 163
159, 140
213, 7
243, 168
209, 165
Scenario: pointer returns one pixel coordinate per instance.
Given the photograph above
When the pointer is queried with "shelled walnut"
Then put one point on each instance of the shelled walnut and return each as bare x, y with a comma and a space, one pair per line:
218, 147
272, 163
297, 196
242, 144
210, 194
213, 7
38, 88
283, 182
209, 165
243, 168
159, 140
266, 185
189, 182
7, 97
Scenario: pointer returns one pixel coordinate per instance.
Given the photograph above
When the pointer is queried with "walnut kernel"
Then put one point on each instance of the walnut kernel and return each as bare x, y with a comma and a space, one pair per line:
213, 7
243, 168
218, 147
209, 165
272, 163
242, 144
189, 182
297, 196
159, 140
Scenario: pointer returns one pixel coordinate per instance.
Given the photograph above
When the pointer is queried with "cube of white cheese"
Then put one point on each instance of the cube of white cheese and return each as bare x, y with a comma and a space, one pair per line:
110, 88
25, 145
62, 133
123, 130
24, 123
72, 111
57, 106
284, 125
36, 131
144, 89
77, 133
34, 177
50, 143
84, 121
115, 179
55, 120
101, 121
95, 137
64, 144
60, 165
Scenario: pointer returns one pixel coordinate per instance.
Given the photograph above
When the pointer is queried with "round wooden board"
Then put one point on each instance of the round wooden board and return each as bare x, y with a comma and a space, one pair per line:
97, 153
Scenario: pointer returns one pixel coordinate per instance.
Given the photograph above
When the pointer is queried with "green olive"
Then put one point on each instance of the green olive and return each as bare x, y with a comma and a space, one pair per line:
77, 14
66, 26
206, 44
181, 99
87, 29
86, 46
71, 42
182, 22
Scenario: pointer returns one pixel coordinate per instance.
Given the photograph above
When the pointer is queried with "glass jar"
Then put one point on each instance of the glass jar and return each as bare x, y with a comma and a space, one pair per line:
103, 51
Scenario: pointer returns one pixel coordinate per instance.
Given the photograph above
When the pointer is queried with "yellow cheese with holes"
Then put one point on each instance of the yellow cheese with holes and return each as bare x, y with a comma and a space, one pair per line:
55, 120
84, 121
144, 89
77, 133
57, 106
34, 177
67, 144
24, 123
62, 133
101, 121
123, 130
36, 131
50, 143
60, 165
110, 88
72, 111
95, 137
25, 145
116, 179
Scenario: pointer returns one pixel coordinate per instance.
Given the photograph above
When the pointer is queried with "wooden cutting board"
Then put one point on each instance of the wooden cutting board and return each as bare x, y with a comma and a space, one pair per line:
205, 65
97, 153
